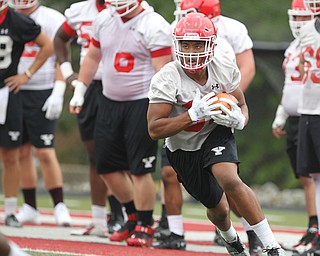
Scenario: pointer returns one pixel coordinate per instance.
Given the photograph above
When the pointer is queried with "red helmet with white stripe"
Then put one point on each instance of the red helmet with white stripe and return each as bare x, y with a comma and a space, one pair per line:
194, 27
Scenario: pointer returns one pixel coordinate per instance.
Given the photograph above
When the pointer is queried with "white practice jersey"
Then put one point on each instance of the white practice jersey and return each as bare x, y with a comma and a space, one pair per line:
293, 81
172, 85
79, 19
234, 32
127, 50
310, 42
49, 20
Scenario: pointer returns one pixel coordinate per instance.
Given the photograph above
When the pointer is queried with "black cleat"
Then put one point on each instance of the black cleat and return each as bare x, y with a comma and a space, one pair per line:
173, 241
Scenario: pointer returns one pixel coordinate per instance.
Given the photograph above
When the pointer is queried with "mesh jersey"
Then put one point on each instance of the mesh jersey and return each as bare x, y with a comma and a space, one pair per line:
310, 41
172, 85
79, 23
49, 20
15, 30
235, 33
127, 56
293, 81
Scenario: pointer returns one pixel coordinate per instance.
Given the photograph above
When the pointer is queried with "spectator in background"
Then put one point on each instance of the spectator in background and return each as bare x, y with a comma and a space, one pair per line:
200, 143
308, 159
78, 24
42, 102
133, 43
287, 111
15, 30
236, 34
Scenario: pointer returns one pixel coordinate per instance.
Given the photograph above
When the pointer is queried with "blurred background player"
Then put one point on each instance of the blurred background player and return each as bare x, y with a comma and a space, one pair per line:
236, 34
78, 24
15, 30
308, 161
42, 101
133, 43
287, 111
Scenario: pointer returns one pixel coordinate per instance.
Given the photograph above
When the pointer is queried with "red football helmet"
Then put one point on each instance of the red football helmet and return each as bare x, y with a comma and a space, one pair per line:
313, 5
3, 4
298, 9
123, 7
210, 8
22, 4
194, 27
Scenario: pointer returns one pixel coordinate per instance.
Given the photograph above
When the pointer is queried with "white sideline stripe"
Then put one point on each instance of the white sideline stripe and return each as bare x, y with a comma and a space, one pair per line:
57, 252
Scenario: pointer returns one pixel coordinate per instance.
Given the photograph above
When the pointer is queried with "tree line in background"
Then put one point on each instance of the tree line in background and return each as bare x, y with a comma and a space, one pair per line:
263, 157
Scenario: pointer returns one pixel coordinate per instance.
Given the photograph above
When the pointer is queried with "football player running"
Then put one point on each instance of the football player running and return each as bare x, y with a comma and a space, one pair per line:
79, 17
42, 98
287, 112
15, 30
200, 143
133, 43
236, 34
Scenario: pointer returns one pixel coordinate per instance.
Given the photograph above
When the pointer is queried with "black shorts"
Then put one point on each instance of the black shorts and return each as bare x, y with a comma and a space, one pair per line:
308, 145
37, 129
292, 142
87, 116
194, 167
11, 130
122, 141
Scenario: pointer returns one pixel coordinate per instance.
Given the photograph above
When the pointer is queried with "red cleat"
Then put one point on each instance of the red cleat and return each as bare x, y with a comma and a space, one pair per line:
142, 237
126, 231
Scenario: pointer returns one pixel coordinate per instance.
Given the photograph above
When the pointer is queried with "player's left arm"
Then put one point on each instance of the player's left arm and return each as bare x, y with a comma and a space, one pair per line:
46, 50
238, 93
159, 62
246, 64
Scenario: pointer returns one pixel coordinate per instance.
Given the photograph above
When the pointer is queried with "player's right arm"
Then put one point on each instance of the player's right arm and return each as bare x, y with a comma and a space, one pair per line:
62, 41
87, 71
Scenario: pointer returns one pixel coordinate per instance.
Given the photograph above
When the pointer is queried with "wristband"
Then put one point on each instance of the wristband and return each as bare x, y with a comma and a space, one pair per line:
59, 87
66, 69
28, 73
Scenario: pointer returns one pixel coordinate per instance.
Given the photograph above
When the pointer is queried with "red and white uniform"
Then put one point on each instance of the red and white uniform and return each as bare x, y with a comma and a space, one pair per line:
79, 23
234, 32
172, 85
49, 20
310, 42
293, 81
127, 54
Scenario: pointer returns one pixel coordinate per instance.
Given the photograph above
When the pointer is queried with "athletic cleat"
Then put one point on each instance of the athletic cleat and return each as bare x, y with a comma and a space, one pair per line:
91, 230
255, 245
162, 231
173, 241
314, 250
12, 221
217, 239
309, 236
28, 214
126, 231
274, 251
115, 222
142, 237
235, 248
61, 213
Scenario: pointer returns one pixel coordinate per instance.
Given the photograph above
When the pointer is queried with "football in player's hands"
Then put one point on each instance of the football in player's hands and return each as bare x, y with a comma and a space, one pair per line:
226, 96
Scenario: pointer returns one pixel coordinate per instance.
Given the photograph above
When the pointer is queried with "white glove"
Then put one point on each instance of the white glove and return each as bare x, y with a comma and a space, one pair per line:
280, 119
203, 107
54, 104
231, 118
78, 95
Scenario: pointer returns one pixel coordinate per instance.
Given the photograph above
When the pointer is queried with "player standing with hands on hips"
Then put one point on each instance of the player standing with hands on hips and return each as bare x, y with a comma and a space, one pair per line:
200, 143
